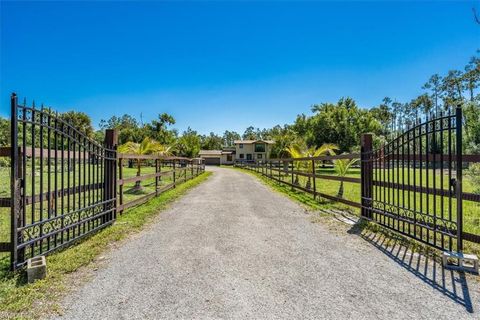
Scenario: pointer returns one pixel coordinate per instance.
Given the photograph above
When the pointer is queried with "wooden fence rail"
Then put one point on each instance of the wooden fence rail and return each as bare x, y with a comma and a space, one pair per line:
169, 172
287, 171
64, 185
97, 177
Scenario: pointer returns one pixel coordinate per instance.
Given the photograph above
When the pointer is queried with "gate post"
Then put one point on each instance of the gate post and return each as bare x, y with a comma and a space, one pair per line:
458, 183
15, 186
110, 172
367, 175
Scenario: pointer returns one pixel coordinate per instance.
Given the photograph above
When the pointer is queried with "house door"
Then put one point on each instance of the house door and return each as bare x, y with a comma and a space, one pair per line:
249, 156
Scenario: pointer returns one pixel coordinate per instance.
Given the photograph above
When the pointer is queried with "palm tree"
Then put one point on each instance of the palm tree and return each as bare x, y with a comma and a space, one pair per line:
341, 168
147, 146
297, 151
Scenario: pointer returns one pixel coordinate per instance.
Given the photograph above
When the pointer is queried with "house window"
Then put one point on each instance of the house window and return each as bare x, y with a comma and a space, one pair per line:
259, 147
240, 145
241, 155
259, 156
229, 157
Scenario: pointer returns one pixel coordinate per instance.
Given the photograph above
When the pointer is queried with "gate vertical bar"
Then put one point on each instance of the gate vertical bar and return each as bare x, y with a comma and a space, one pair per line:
14, 184
458, 186
120, 187
110, 181
367, 175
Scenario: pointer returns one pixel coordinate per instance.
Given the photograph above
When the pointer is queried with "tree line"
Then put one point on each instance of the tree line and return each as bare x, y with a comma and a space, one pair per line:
341, 123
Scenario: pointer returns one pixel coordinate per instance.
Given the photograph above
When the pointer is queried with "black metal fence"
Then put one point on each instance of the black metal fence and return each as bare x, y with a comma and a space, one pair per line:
64, 185
412, 185
60, 190
417, 183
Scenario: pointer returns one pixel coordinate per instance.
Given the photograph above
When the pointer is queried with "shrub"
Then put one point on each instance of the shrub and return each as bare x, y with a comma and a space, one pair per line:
4, 162
473, 173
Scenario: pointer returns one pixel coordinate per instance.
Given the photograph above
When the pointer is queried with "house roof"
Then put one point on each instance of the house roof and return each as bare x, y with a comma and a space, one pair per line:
253, 141
210, 152
214, 152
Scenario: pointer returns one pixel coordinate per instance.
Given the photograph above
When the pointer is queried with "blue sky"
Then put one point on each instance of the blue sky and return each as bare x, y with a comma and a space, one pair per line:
219, 66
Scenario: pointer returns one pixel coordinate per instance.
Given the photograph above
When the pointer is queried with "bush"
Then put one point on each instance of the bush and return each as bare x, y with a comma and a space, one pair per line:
4, 162
473, 173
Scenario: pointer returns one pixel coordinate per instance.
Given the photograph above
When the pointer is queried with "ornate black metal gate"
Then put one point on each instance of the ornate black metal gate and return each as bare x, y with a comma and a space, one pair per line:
416, 182
63, 183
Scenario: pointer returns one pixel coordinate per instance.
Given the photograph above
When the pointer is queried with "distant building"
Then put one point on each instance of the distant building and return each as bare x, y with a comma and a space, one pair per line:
217, 157
244, 150
250, 150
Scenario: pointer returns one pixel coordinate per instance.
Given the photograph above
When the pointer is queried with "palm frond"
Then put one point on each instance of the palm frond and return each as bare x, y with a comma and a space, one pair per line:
129, 147
343, 165
324, 149
147, 146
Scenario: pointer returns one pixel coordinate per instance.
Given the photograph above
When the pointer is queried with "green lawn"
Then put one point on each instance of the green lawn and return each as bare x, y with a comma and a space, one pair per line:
148, 186
35, 214
4, 212
75, 177
471, 209
20, 300
352, 192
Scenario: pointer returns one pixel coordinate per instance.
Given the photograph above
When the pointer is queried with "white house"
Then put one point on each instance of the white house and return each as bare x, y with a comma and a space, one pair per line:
249, 150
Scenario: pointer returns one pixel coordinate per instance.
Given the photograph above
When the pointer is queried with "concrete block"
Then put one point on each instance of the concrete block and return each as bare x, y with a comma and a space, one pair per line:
462, 262
36, 268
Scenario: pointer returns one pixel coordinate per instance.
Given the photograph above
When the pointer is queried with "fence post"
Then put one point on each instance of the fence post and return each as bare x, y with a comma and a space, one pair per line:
15, 185
156, 177
458, 183
367, 175
314, 180
110, 173
174, 173
191, 168
293, 178
279, 171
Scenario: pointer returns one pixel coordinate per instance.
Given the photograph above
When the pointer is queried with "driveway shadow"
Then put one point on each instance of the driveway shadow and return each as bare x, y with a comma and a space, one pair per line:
426, 267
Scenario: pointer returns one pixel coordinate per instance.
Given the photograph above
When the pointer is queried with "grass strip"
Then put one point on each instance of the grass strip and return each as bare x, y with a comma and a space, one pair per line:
308, 202
299, 196
19, 300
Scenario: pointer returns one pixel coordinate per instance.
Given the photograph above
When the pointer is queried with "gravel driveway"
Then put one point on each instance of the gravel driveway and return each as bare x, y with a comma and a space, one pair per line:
233, 249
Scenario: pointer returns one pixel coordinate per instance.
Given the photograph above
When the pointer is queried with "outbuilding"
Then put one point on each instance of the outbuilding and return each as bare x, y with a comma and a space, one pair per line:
216, 157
